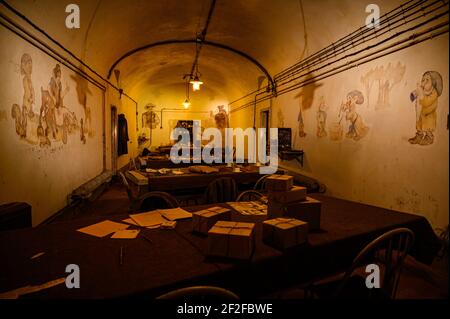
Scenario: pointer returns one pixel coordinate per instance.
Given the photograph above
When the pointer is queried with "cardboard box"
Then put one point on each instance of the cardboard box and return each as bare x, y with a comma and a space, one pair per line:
295, 194
203, 220
308, 210
280, 183
284, 233
231, 239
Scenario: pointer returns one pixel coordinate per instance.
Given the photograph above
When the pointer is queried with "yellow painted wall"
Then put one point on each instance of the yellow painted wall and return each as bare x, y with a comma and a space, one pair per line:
382, 168
44, 175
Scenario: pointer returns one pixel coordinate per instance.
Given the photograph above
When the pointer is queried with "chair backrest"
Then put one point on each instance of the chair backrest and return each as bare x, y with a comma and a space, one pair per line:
249, 195
199, 293
388, 250
155, 200
261, 183
127, 186
221, 190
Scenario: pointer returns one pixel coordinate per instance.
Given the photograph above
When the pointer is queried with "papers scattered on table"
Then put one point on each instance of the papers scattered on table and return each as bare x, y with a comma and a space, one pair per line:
175, 213
249, 208
103, 228
130, 221
152, 218
169, 225
150, 170
177, 172
16, 293
126, 234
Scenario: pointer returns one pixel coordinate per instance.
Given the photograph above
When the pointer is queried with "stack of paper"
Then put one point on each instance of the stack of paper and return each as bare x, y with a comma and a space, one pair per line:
126, 234
103, 229
149, 219
249, 208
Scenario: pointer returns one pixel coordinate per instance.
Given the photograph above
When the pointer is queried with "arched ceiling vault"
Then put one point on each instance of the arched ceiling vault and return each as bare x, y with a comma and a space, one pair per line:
275, 33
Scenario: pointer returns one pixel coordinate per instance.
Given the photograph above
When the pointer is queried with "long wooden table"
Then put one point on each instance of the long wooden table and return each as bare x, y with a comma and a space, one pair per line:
176, 258
191, 181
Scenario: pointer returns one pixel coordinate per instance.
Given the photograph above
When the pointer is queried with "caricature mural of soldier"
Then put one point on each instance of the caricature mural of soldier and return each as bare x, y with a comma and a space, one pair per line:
357, 129
426, 101
321, 119
26, 68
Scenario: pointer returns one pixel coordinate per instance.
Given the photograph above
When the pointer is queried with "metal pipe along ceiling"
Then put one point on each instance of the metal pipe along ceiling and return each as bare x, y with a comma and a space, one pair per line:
409, 12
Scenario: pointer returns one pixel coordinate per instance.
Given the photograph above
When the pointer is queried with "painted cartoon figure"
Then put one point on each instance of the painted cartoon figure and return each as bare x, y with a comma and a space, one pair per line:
357, 129
321, 119
221, 118
47, 114
426, 101
301, 124
26, 68
55, 87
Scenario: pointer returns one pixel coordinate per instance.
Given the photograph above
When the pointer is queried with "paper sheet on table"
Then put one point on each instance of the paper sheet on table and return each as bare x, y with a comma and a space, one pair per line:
175, 213
103, 228
152, 218
130, 221
126, 234
16, 293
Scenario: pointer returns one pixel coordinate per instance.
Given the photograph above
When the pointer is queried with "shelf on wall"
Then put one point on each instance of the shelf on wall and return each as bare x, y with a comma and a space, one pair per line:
288, 155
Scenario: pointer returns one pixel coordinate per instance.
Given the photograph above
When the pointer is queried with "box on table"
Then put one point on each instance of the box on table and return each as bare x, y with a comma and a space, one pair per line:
279, 183
231, 239
283, 233
307, 210
203, 220
295, 194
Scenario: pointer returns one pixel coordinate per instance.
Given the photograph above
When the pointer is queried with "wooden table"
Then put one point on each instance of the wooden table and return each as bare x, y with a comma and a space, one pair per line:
175, 258
198, 181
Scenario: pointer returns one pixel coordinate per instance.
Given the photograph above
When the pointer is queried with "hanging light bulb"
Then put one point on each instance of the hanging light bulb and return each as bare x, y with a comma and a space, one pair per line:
196, 83
186, 104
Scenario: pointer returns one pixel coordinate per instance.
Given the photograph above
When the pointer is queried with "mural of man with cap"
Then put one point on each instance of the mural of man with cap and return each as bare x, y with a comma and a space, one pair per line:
426, 101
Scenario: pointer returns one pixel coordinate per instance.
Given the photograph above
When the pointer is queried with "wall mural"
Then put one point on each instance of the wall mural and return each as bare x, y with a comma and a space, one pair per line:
322, 118
149, 118
425, 98
356, 128
386, 79
221, 118
55, 121
348, 110
306, 99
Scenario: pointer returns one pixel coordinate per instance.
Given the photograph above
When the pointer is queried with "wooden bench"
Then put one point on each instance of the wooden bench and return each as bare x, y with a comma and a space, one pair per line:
87, 190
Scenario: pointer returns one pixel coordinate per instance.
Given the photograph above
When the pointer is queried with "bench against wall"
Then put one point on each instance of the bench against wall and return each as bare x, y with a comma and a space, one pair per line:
87, 190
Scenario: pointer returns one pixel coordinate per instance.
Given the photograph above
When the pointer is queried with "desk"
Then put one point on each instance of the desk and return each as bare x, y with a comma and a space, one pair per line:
175, 258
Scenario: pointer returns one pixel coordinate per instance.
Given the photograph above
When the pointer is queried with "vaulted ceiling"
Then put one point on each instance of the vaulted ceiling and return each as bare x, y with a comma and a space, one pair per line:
274, 33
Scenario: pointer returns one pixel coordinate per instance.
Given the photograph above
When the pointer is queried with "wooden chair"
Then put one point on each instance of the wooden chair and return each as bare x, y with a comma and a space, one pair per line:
199, 293
148, 201
388, 251
155, 200
260, 184
221, 190
249, 195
